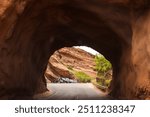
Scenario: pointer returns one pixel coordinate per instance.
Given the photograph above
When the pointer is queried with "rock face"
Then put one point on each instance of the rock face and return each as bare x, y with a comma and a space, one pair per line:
31, 30
63, 61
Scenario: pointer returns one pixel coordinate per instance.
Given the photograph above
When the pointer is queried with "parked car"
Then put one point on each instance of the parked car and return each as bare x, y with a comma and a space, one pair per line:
66, 80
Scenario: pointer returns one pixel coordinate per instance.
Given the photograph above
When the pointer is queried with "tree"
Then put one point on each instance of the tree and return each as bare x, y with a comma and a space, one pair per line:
102, 64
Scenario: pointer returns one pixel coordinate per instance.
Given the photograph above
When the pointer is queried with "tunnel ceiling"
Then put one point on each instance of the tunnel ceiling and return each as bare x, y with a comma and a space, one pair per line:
73, 23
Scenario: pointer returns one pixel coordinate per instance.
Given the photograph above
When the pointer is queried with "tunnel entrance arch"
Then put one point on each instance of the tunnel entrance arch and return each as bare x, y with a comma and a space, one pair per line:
46, 26
35, 29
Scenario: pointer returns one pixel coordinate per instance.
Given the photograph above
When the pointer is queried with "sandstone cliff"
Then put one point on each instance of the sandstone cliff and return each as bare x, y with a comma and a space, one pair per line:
63, 61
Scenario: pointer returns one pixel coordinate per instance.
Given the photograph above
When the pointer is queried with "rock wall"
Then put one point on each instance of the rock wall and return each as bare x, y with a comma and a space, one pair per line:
138, 79
31, 30
66, 60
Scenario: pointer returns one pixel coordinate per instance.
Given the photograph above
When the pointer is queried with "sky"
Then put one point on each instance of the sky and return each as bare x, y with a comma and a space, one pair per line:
88, 49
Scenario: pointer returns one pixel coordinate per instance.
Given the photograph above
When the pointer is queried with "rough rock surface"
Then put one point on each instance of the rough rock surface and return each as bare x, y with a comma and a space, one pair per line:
66, 59
31, 30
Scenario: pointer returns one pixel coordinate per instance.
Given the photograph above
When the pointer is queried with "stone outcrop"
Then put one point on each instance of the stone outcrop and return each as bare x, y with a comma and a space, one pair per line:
31, 30
66, 60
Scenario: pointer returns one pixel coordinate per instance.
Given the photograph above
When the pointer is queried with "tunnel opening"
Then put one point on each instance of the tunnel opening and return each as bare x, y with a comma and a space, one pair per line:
69, 69
35, 30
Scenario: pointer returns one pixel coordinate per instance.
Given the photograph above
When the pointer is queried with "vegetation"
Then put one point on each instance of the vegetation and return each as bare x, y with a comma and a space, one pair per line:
70, 67
82, 77
102, 64
103, 68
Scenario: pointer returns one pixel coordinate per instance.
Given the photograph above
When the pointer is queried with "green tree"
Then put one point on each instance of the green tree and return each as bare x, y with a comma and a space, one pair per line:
102, 64
102, 67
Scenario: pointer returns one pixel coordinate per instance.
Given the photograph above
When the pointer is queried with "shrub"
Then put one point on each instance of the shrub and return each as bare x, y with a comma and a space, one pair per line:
102, 67
82, 77
102, 64
107, 82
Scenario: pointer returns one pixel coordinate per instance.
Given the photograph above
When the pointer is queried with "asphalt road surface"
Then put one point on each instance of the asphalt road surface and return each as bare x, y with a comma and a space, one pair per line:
74, 91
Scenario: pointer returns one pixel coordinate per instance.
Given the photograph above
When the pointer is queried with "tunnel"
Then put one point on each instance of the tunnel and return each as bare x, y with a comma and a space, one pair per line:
32, 30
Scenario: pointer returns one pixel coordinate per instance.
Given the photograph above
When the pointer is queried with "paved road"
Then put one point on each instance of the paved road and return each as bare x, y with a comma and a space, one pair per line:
74, 91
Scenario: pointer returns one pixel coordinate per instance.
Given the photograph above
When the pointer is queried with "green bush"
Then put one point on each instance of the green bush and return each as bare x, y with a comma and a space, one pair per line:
102, 67
107, 82
82, 77
102, 64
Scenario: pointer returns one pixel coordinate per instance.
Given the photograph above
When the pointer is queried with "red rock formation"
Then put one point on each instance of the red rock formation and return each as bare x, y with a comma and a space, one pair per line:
73, 58
31, 30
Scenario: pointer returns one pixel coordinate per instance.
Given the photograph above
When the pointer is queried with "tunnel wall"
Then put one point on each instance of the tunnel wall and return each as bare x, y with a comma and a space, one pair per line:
30, 31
